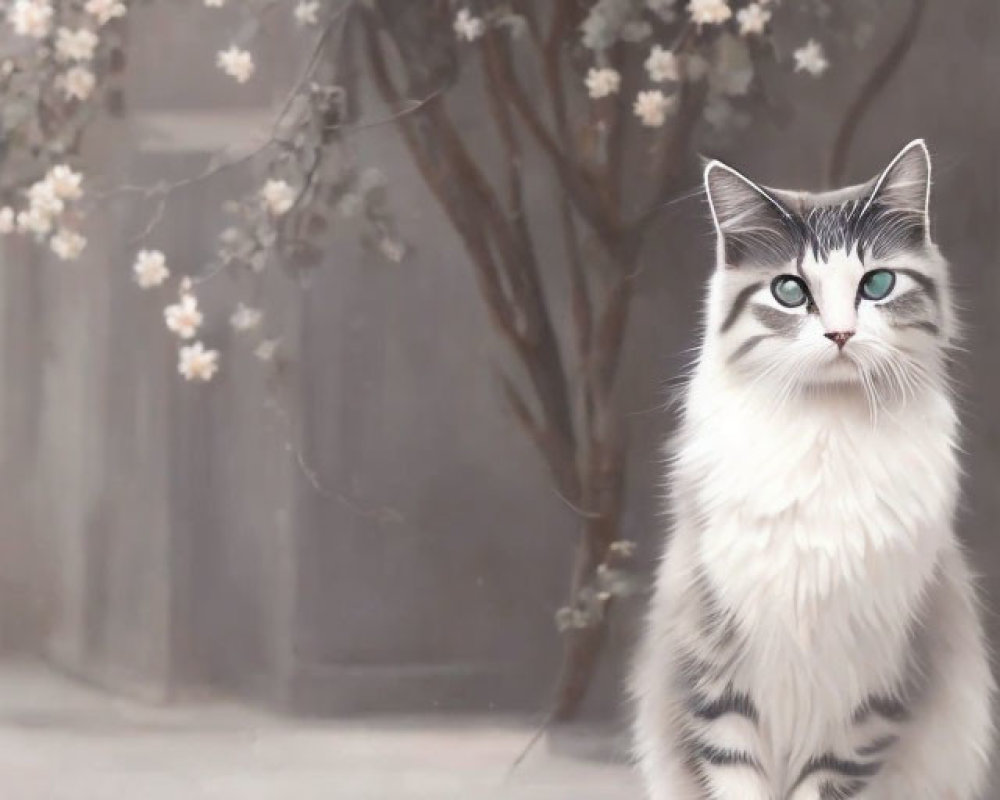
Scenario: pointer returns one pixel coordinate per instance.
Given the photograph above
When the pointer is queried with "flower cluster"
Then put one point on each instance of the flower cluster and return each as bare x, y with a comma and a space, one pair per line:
50, 212
469, 28
183, 318
74, 47
716, 50
309, 181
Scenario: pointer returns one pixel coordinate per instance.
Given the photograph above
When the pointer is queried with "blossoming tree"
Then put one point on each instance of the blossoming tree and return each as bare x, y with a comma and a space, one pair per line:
617, 78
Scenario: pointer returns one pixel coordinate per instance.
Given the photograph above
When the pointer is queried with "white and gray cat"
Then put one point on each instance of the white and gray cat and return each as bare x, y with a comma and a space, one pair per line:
814, 633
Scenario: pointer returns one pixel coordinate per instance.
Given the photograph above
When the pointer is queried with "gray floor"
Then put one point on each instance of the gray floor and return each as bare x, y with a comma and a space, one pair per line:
62, 740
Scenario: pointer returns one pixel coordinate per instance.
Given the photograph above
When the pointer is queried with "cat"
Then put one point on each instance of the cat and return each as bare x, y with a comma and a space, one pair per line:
814, 632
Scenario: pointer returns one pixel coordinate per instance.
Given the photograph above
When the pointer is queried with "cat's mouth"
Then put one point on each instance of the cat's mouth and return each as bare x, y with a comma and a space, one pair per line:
839, 368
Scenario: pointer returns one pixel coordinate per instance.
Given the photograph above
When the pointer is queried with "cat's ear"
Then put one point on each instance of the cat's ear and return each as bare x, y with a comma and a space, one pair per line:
903, 190
752, 225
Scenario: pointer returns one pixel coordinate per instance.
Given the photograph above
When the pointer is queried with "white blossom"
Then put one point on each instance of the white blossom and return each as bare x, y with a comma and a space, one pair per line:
709, 12
67, 244
184, 318
662, 65
8, 220
150, 268
392, 249
810, 58
267, 349
652, 107
278, 196
78, 83
467, 26
236, 63
105, 10
30, 18
196, 363
215, 3
753, 19
78, 45
34, 221
625, 548
307, 12
64, 182
602, 81
245, 318
43, 199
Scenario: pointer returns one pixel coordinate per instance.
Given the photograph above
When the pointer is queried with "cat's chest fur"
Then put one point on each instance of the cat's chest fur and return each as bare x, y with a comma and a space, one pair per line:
818, 528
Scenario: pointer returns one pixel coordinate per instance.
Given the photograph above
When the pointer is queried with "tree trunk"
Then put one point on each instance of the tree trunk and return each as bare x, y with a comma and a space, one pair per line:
603, 492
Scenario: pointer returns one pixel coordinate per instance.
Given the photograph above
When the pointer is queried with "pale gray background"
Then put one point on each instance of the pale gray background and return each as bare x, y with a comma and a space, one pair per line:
158, 542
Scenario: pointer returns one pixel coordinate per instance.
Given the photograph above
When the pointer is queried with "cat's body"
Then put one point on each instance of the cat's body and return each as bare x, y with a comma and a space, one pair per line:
814, 633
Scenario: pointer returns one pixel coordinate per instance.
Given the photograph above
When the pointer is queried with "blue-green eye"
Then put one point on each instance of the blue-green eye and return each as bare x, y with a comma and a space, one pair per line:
789, 291
877, 285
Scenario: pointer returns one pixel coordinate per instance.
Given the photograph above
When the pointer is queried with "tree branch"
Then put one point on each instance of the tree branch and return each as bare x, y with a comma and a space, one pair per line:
833, 174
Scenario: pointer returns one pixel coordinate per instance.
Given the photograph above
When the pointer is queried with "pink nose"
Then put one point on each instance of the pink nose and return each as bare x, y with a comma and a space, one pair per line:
840, 337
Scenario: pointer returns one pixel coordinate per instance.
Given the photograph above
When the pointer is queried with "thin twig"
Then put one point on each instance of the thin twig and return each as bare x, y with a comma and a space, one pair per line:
381, 514
414, 105
536, 737
878, 79
581, 512
166, 190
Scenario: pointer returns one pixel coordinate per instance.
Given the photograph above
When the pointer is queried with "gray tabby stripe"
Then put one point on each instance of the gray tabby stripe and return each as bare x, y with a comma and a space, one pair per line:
886, 707
925, 282
828, 762
841, 791
781, 322
909, 304
924, 325
747, 346
909, 310
877, 746
739, 303
729, 702
701, 753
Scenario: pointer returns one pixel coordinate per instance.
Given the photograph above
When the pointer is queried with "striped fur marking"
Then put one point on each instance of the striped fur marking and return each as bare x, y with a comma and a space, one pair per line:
925, 282
739, 304
748, 345
841, 791
779, 322
729, 702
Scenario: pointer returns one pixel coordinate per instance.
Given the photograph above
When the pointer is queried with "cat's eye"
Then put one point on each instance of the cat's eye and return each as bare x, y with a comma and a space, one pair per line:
878, 284
790, 291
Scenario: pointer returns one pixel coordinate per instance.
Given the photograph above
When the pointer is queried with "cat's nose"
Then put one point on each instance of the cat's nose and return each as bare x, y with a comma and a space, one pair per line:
840, 337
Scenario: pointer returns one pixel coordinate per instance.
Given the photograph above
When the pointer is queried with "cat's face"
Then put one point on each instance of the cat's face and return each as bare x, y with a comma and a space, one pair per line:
843, 289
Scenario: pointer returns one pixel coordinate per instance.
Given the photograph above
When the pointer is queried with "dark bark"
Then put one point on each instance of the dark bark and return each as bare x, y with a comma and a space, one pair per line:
570, 416
869, 91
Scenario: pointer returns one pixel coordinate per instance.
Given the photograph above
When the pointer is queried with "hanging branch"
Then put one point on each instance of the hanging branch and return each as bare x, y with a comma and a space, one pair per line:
833, 174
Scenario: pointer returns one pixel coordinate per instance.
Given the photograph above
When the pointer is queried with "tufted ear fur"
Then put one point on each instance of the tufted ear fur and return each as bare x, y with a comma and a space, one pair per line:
902, 192
752, 225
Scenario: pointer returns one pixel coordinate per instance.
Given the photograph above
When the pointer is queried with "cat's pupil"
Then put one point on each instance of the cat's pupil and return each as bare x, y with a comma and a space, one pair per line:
877, 285
788, 291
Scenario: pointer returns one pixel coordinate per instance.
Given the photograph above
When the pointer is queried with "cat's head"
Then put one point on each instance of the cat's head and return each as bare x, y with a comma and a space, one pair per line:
841, 289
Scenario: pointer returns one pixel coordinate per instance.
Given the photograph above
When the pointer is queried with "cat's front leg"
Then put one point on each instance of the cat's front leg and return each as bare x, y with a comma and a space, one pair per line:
838, 780
723, 748
727, 775
832, 776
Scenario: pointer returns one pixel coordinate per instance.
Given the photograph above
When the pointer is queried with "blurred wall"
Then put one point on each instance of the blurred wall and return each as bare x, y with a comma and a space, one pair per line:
159, 537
